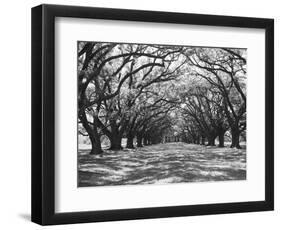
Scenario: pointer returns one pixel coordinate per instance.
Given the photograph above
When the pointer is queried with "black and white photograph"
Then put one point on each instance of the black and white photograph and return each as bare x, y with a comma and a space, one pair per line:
159, 114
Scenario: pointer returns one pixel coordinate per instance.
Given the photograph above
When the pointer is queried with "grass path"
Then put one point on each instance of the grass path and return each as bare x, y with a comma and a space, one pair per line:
162, 163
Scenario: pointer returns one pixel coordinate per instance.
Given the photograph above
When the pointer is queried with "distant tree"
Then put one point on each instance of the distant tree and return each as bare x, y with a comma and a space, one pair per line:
205, 107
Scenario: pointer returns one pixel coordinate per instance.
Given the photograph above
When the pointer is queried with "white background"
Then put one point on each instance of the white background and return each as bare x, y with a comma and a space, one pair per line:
15, 115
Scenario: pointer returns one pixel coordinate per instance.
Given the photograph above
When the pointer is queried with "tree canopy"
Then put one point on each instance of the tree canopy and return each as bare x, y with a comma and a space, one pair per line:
145, 92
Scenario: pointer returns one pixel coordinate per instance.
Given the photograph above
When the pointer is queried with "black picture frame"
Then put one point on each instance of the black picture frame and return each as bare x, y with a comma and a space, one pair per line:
43, 114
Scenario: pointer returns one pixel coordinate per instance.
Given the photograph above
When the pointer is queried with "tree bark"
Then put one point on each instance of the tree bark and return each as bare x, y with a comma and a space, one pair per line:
145, 141
203, 141
115, 142
139, 140
235, 135
96, 146
115, 136
211, 141
130, 141
96, 136
221, 139
154, 141
93, 135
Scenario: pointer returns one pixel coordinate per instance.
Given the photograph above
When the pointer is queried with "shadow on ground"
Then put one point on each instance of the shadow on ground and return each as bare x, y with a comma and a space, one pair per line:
25, 216
161, 164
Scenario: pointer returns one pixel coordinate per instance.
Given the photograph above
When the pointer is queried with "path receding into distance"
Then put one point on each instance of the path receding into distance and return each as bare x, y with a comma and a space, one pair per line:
162, 164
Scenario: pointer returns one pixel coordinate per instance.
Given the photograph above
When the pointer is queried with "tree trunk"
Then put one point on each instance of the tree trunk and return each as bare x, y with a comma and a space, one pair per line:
96, 145
139, 140
115, 142
211, 141
145, 141
154, 141
235, 134
130, 141
93, 134
221, 139
203, 141
193, 140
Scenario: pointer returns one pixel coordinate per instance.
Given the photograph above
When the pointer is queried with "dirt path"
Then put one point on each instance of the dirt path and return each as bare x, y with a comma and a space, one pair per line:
162, 163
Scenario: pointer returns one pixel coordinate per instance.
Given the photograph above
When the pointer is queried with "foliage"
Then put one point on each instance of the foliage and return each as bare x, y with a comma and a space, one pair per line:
148, 91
